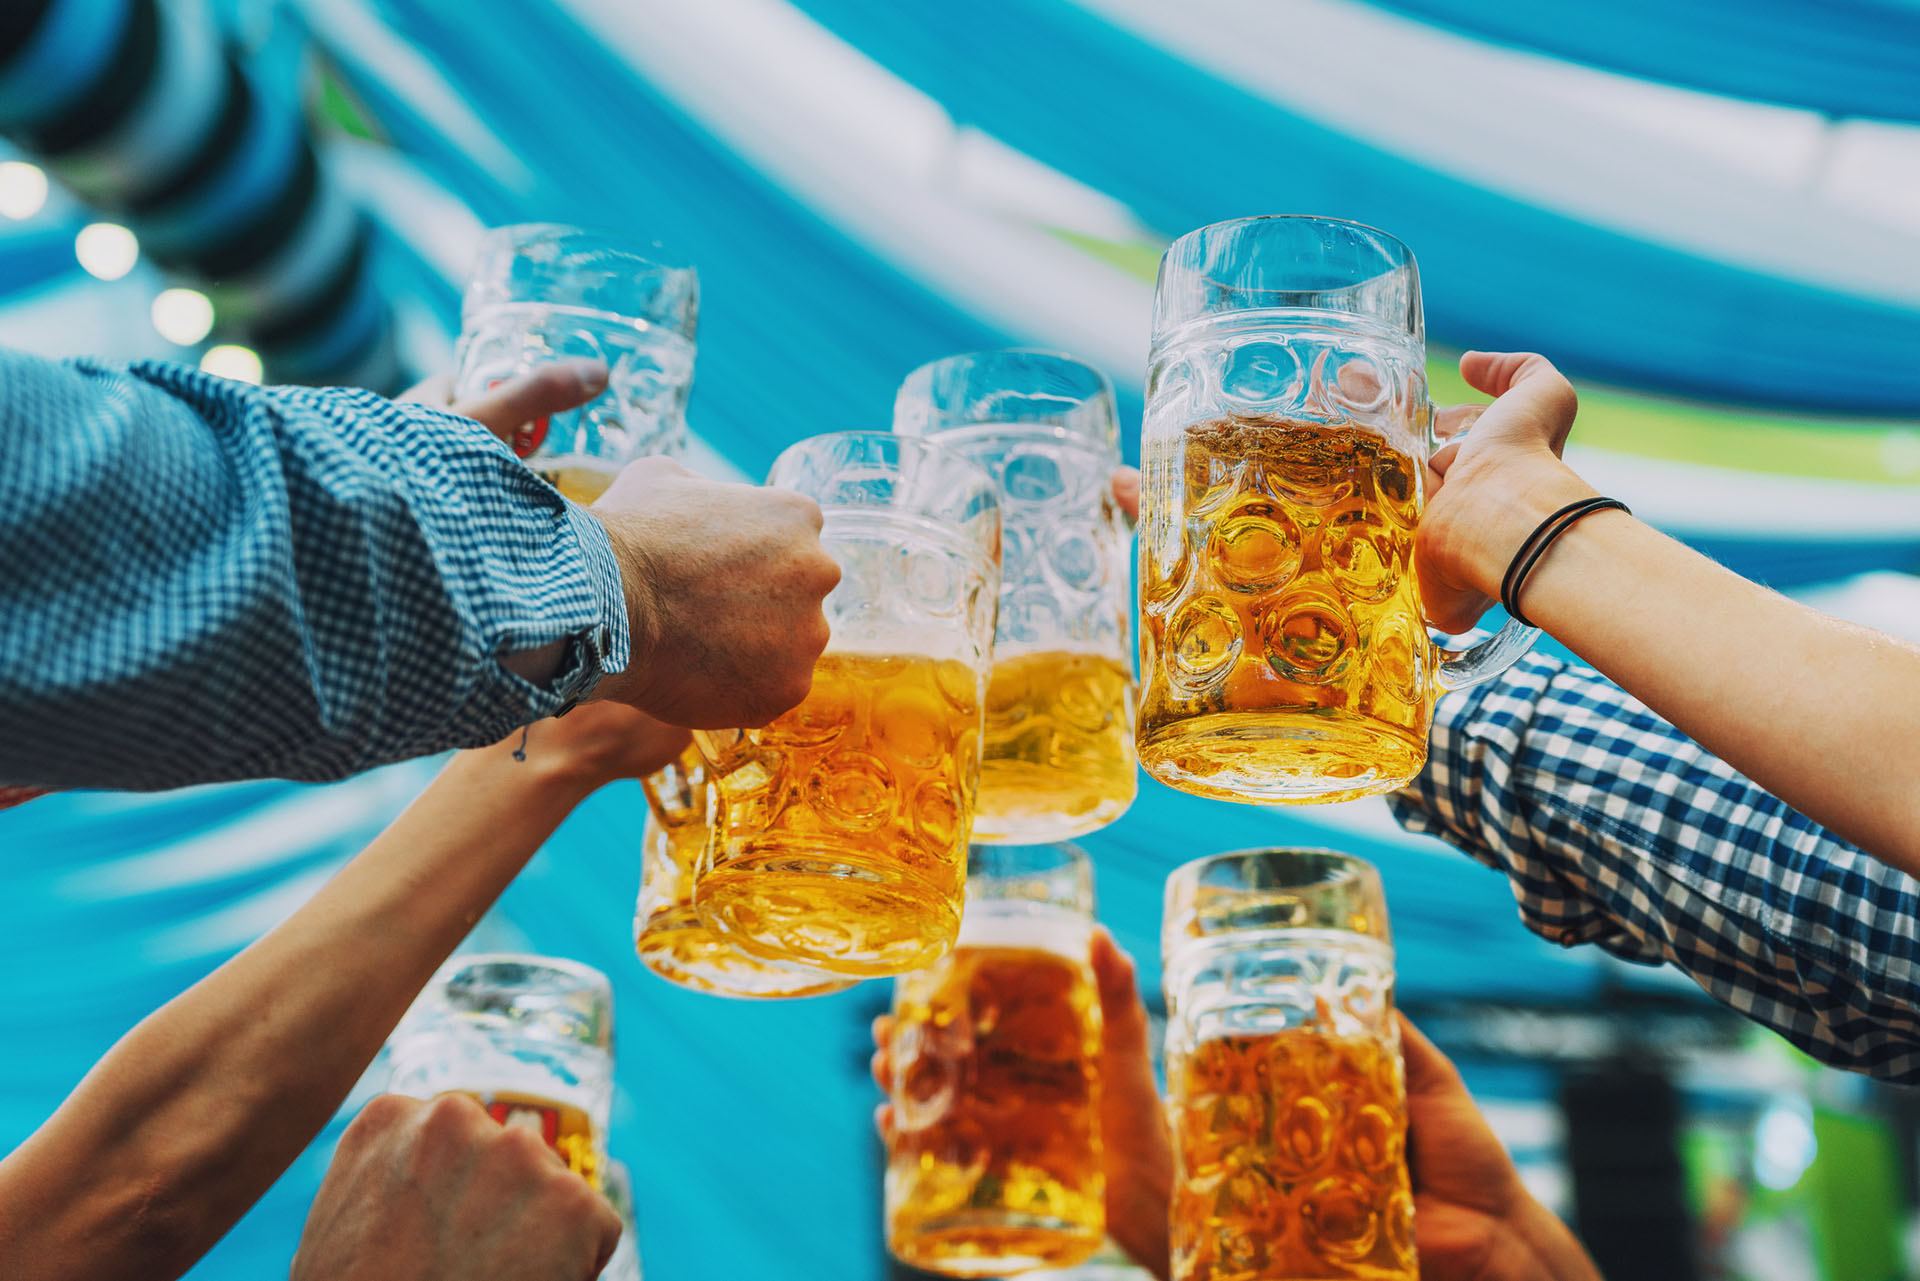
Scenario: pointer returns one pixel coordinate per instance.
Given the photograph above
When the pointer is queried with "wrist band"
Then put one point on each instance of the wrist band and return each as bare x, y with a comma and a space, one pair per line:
1537, 544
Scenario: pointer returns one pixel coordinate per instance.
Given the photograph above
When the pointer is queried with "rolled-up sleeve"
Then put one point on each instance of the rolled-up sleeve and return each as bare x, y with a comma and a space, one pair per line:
205, 580
1614, 828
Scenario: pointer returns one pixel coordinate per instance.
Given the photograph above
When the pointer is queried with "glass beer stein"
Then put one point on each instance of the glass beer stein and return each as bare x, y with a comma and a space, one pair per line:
1284, 1082
529, 1037
668, 934
995, 1160
840, 830
1283, 651
542, 292
1057, 759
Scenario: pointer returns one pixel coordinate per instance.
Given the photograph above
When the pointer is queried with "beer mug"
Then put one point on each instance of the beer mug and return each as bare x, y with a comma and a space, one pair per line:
995, 1160
1057, 759
1283, 651
668, 934
543, 292
1284, 1081
840, 830
529, 1037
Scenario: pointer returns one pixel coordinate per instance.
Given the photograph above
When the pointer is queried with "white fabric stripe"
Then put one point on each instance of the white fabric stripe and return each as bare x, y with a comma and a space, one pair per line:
1693, 498
1732, 181
875, 157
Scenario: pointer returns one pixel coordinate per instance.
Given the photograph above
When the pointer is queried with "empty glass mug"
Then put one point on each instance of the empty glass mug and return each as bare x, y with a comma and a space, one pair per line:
668, 934
1283, 651
840, 830
543, 292
994, 1165
1057, 760
529, 1037
1284, 1080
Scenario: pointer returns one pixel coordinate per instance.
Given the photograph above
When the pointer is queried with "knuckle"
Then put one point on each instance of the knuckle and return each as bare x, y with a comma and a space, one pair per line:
383, 1112
525, 1148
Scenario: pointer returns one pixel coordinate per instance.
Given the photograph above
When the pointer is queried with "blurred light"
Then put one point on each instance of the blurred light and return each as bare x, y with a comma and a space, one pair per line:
23, 189
1783, 1143
228, 361
183, 316
106, 250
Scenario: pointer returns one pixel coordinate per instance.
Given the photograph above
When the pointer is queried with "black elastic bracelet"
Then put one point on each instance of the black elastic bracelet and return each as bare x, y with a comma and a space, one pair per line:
1537, 544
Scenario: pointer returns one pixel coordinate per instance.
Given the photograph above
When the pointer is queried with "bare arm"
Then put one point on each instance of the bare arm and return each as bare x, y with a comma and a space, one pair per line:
194, 1113
1821, 713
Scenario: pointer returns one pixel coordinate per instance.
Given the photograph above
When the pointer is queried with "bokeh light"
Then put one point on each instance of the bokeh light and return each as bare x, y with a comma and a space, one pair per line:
183, 316
106, 249
230, 361
23, 189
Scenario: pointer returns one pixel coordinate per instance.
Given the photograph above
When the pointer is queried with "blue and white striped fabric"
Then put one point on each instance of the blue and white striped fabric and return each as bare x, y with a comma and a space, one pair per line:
1615, 828
207, 580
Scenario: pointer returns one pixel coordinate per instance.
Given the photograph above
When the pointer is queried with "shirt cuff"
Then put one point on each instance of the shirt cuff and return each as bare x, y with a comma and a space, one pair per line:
605, 648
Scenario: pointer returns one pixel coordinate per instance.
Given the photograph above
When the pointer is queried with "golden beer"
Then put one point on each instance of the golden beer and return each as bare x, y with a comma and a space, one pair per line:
669, 935
1057, 759
580, 484
1283, 634
842, 827
567, 1129
995, 1163
1289, 1154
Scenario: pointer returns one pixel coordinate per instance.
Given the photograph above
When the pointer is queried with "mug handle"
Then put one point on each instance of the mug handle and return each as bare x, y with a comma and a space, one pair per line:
1461, 668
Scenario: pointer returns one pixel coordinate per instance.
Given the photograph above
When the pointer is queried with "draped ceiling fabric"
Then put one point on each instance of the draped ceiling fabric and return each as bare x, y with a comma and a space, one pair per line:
1664, 200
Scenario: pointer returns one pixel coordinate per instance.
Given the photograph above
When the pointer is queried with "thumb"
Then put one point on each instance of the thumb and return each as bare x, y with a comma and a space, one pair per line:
1122, 1012
1126, 491
1429, 1072
1529, 389
546, 389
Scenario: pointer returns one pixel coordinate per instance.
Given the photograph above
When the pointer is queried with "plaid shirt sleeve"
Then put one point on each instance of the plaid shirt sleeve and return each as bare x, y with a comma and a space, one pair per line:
1615, 828
205, 580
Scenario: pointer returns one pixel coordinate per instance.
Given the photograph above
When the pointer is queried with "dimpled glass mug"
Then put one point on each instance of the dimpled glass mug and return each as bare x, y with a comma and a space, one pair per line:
543, 292
668, 934
840, 830
1057, 760
1285, 1088
1283, 652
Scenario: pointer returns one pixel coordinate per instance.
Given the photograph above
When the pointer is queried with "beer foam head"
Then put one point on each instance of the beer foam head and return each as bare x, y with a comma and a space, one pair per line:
1013, 923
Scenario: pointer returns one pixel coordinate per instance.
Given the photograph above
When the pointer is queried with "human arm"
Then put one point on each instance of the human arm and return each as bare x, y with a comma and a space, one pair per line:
1473, 1220
1821, 713
206, 580
182, 1125
1614, 828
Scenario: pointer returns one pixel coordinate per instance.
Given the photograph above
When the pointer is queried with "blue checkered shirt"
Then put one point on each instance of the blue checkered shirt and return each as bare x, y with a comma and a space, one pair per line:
206, 580
1615, 828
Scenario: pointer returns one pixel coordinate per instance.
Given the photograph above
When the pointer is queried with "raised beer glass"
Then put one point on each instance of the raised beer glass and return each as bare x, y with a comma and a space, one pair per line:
529, 1037
1283, 651
668, 934
840, 830
542, 292
1284, 1080
995, 1161
1057, 759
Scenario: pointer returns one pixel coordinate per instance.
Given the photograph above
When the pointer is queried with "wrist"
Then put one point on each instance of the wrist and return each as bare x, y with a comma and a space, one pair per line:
1510, 500
643, 613
550, 775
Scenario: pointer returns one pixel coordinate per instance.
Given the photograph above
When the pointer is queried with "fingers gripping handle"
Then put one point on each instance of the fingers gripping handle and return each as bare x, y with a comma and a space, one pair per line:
1461, 668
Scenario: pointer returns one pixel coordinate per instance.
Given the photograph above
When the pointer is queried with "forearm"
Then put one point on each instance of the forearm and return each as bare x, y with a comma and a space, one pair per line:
208, 581
1823, 714
186, 1121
